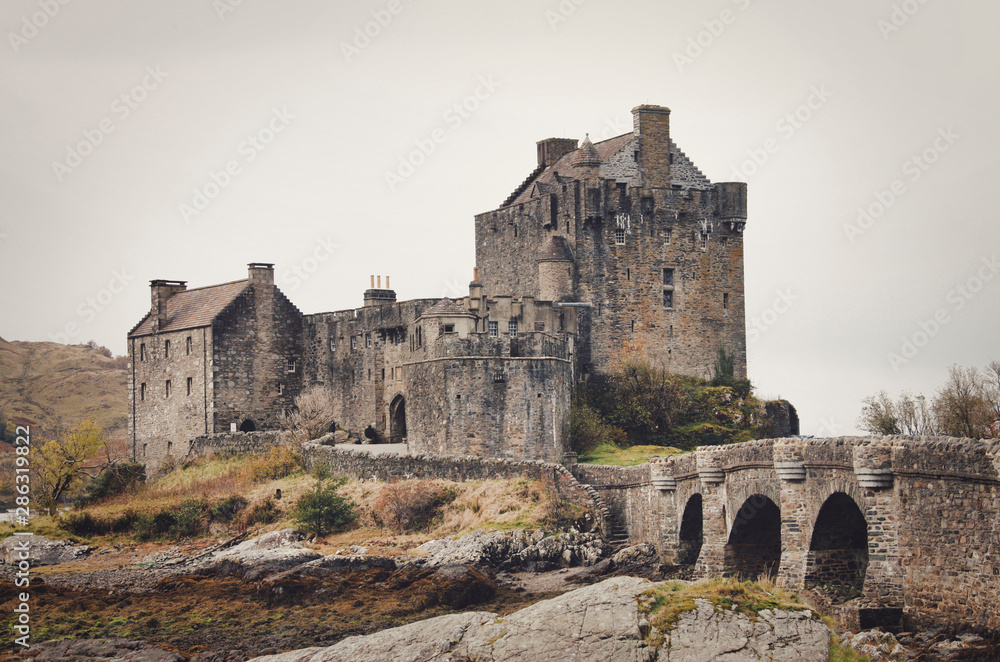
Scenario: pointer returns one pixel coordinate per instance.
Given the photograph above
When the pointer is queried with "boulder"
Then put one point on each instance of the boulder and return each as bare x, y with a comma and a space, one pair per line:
596, 623
103, 650
265, 555
514, 550
41, 550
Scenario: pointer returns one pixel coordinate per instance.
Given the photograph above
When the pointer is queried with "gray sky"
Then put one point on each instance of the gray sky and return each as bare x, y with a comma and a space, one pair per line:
120, 119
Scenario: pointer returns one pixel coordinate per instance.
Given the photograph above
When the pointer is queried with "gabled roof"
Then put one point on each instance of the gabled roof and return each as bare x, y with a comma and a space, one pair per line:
193, 308
446, 308
682, 170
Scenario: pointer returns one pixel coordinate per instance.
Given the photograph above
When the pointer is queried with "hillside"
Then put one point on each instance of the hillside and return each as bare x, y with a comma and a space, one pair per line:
51, 386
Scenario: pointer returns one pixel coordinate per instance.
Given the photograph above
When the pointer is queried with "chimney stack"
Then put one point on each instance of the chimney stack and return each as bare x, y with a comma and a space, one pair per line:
160, 291
376, 296
652, 128
550, 149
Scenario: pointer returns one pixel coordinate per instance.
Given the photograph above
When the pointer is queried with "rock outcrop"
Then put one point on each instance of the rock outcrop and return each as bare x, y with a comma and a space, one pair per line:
41, 550
266, 555
599, 622
515, 550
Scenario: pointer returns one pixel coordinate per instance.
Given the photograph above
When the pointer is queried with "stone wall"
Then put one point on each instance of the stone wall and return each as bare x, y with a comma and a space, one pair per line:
158, 422
237, 443
913, 524
384, 467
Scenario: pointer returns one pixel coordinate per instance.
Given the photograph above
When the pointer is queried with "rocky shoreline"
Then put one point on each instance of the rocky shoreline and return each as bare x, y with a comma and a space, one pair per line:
276, 598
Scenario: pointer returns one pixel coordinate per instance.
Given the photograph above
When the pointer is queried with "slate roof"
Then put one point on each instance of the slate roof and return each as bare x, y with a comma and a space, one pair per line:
446, 308
556, 249
193, 308
682, 172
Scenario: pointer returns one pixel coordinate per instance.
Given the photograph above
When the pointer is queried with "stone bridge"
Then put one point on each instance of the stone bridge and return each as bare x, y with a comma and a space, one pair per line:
906, 526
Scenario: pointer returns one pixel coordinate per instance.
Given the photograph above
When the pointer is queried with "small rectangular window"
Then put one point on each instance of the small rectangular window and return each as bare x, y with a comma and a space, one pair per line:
281, 388
725, 300
144, 450
166, 349
494, 329
449, 328
668, 277
170, 446
383, 374
540, 326
166, 388
499, 377
368, 340
187, 345
512, 328
666, 236
620, 237
704, 241
142, 391
291, 365
190, 384
628, 274
354, 342
333, 344
142, 351
668, 298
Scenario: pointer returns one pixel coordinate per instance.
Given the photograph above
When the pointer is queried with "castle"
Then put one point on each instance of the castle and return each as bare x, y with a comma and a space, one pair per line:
622, 243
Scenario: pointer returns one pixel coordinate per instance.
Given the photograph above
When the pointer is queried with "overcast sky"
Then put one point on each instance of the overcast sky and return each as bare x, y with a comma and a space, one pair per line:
182, 140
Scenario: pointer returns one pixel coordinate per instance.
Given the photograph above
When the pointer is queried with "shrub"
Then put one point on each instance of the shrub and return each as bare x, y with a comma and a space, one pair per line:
114, 480
83, 524
588, 430
323, 510
264, 512
411, 505
227, 509
278, 462
187, 520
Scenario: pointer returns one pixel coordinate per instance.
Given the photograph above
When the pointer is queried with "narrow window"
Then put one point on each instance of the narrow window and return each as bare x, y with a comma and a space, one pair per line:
494, 329
668, 298
281, 388
190, 384
333, 344
187, 345
515, 231
383, 374
633, 326
628, 274
142, 391
670, 331
554, 211
666, 236
725, 300
369, 374
166, 388
142, 351
170, 446
144, 450
668, 277
354, 342
704, 241
368, 340
668, 288
166, 349
512, 328
620, 236
291, 365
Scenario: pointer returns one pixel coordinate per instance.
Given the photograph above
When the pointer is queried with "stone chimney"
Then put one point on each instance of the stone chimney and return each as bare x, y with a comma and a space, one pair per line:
160, 291
262, 282
550, 149
376, 296
652, 128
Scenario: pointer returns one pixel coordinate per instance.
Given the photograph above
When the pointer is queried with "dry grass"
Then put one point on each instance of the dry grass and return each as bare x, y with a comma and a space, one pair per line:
455, 508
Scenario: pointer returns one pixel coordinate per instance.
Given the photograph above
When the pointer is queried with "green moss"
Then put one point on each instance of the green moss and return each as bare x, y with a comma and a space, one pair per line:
664, 604
625, 457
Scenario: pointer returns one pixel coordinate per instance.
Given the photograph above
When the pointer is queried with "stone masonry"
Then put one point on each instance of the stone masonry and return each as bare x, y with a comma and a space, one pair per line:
619, 246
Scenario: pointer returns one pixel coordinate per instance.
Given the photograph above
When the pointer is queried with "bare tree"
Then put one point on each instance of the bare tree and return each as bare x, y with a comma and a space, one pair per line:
313, 413
961, 408
915, 415
879, 415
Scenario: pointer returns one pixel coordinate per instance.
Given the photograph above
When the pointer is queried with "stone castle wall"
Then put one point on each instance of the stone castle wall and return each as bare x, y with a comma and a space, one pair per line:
366, 466
158, 423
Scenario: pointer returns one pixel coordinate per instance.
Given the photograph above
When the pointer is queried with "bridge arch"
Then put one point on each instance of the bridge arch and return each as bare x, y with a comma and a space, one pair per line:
838, 548
692, 531
753, 549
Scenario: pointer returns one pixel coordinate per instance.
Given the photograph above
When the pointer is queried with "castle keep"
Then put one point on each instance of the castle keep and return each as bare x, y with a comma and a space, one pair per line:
619, 244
